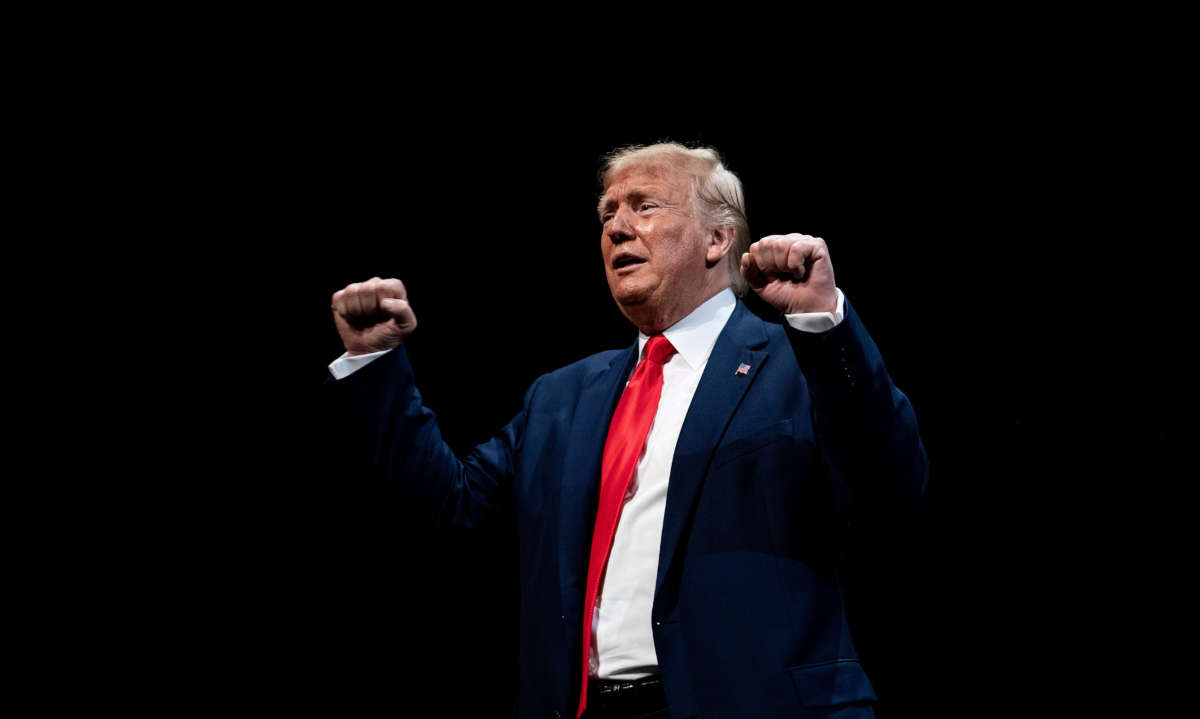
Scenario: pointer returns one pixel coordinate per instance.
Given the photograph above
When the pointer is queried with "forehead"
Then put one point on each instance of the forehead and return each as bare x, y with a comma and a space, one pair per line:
647, 176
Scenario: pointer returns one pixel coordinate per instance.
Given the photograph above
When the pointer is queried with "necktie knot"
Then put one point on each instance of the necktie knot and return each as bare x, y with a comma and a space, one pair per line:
659, 349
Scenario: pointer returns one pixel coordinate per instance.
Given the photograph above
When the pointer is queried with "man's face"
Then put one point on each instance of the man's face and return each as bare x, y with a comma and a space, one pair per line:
653, 246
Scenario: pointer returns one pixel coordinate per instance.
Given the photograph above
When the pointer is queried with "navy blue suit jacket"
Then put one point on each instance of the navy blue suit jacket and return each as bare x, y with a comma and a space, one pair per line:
748, 617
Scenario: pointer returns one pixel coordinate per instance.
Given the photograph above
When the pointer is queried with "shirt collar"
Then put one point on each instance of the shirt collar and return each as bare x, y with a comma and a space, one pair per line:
693, 336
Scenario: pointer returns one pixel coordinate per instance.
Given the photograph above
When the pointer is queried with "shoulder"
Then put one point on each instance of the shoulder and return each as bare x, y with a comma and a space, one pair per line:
588, 366
774, 338
776, 332
570, 379
748, 328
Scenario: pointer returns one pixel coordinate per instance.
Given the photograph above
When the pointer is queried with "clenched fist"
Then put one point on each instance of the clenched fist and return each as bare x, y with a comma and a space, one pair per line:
792, 273
373, 316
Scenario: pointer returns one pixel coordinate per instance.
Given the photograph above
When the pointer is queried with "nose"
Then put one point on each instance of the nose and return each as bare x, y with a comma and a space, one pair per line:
620, 229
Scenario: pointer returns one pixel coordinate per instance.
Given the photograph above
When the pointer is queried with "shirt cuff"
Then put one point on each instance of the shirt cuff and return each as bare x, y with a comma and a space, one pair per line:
346, 365
819, 321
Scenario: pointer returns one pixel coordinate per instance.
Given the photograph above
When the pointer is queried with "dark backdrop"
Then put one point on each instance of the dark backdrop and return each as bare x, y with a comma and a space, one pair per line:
491, 225
250, 570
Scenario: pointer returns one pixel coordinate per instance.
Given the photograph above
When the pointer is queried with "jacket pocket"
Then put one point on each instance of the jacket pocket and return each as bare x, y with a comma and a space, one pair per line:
830, 683
741, 446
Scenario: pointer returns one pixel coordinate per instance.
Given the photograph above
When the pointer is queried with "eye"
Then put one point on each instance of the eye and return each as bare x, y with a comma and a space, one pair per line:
605, 218
645, 206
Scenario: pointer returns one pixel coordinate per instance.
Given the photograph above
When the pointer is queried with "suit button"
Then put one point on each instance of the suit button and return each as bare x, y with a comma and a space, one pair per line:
658, 624
557, 714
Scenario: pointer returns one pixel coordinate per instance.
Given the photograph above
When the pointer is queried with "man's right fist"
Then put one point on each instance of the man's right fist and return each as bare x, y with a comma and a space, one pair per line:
373, 316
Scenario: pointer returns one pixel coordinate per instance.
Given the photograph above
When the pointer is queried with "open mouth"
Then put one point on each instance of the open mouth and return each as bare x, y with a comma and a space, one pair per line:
627, 261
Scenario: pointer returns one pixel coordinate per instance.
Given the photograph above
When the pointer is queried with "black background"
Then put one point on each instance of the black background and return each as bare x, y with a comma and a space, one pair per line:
238, 566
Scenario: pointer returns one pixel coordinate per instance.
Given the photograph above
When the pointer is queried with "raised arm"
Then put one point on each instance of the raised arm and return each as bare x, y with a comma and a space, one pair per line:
866, 427
389, 434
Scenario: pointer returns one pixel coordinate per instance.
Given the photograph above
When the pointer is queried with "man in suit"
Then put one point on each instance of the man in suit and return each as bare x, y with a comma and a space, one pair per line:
679, 503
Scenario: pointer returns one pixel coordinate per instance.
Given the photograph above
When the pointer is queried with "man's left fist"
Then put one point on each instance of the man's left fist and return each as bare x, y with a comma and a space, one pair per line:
792, 273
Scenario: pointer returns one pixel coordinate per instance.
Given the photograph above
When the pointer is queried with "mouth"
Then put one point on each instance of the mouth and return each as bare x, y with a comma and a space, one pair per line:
627, 263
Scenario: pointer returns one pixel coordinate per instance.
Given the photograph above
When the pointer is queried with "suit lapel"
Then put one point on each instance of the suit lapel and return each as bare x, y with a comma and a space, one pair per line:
720, 391
584, 452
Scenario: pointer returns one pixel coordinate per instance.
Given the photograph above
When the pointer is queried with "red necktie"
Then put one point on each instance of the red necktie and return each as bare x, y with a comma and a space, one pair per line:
626, 437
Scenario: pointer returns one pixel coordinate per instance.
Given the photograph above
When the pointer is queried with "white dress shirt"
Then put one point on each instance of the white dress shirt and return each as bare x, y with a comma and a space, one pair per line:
622, 643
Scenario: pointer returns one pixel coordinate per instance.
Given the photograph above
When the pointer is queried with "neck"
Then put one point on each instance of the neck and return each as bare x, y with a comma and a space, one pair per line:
653, 320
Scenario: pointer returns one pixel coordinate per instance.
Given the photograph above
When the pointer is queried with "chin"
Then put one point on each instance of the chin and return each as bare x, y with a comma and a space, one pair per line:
631, 297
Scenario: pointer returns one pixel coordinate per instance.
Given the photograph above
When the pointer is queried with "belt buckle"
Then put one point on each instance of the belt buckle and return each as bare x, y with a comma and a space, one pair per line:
609, 690
623, 687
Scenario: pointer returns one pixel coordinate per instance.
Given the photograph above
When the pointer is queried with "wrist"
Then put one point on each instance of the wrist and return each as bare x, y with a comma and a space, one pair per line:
829, 306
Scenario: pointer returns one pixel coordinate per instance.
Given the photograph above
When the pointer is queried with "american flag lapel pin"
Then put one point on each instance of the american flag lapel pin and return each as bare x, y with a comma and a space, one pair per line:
743, 368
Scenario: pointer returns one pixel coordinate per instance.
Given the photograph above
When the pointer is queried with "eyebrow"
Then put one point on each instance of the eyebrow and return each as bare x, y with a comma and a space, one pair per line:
633, 192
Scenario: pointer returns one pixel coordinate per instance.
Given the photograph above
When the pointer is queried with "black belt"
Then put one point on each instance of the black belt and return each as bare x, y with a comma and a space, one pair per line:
629, 696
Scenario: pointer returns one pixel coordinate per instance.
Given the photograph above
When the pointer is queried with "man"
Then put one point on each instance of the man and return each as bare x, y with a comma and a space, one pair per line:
679, 503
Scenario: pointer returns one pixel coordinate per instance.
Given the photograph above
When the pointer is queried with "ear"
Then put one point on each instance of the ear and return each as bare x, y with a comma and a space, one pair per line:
720, 242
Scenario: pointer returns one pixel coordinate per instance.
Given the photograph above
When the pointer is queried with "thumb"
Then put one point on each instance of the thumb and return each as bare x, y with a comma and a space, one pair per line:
394, 306
399, 310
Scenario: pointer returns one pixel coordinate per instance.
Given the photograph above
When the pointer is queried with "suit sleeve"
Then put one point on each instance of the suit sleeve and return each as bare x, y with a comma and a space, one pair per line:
385, 434
865, 426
